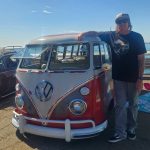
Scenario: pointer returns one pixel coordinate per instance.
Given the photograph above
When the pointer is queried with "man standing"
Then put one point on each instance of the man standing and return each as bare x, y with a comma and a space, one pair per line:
128, 50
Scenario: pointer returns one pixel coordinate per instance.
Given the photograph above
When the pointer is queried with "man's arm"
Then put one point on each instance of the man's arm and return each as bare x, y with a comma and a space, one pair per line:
105, 36
141, 59
89, 33
139, 84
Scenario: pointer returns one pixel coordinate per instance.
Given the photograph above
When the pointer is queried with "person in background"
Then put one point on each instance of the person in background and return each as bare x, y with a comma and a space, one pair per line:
128, 50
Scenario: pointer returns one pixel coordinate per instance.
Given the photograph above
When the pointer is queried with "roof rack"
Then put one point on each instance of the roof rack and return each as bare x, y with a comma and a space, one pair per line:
10, 49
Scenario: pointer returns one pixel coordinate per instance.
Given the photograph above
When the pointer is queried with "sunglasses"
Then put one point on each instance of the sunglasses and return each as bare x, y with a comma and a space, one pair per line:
122, 22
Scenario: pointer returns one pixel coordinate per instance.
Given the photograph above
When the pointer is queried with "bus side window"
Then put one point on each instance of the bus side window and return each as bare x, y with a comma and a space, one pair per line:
107, 53
102, 53
97, 56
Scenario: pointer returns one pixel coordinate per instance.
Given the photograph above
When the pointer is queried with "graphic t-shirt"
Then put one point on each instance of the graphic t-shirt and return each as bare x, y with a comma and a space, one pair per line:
125, 51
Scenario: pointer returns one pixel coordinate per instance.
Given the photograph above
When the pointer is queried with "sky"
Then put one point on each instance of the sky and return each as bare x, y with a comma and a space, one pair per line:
24, 20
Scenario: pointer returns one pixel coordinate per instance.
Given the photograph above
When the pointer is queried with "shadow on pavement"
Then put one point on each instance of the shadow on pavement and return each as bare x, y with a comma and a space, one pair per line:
7, 102
97, 143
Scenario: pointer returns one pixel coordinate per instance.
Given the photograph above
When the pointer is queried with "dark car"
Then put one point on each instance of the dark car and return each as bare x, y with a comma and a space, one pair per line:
8, 67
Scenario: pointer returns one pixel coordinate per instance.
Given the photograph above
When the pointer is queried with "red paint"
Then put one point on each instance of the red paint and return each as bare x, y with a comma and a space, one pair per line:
95, 109
147, 86
60, 125
24, 112
22, 70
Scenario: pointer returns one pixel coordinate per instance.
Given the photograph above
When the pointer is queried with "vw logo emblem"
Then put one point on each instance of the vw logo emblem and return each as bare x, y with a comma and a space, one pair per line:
43, 91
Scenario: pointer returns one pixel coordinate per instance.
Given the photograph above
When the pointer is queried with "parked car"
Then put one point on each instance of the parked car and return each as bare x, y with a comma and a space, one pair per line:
64, 87
8, 67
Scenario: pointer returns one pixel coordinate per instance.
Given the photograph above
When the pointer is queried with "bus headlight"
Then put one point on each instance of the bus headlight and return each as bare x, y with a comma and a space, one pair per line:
19, 101
77, 107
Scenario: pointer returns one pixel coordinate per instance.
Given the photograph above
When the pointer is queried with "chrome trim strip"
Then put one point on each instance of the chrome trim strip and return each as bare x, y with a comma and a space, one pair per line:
80, 100
67, 130
67, 133
56, 121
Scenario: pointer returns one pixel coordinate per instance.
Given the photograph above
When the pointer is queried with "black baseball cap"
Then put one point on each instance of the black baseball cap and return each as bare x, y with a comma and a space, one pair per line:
122, 17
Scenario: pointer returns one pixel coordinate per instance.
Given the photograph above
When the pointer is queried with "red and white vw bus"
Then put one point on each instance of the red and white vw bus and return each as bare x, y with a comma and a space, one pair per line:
64, 87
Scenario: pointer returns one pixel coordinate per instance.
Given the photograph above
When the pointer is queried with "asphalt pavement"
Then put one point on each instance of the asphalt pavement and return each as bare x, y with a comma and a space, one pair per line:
11, 139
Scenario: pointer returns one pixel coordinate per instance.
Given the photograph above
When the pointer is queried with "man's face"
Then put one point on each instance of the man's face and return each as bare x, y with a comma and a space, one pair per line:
123, 26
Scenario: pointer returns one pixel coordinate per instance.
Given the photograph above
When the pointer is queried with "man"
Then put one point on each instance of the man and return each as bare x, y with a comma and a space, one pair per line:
128, 50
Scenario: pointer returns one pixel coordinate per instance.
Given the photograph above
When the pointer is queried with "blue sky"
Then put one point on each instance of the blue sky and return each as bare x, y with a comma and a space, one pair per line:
24, 20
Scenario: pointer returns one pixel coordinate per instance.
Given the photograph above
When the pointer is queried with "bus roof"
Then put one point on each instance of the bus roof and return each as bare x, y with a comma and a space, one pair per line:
66, 38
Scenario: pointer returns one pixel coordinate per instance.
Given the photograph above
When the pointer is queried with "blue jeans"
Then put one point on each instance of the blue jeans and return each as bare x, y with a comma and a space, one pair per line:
126, 109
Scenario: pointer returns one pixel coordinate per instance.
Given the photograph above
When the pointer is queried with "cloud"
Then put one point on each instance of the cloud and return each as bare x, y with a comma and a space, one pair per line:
47, 12
73, 31
46, 6
34, 11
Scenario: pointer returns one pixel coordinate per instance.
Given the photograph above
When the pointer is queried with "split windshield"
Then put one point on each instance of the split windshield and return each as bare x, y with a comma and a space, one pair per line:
35, 56
56, 57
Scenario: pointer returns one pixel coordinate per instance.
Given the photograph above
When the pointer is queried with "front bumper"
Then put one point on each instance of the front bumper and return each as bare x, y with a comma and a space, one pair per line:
19, 121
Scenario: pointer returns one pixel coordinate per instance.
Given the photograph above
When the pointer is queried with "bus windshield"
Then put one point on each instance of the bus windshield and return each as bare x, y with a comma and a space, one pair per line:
62, 57
70, 57
35, 57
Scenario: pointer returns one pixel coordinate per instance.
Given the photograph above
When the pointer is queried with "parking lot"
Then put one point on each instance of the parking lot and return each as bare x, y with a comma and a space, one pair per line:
11, 139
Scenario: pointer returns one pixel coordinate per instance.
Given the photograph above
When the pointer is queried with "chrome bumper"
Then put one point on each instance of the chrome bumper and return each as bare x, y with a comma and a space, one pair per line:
19, 121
